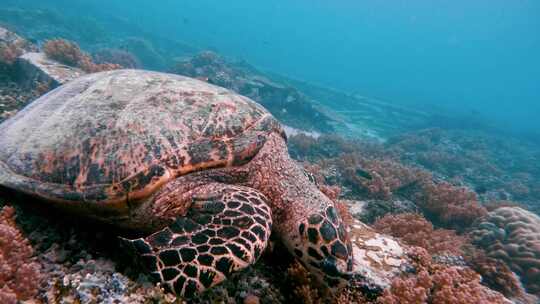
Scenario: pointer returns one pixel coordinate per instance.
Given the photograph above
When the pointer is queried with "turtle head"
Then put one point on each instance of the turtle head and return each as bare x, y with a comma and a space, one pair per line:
325, 248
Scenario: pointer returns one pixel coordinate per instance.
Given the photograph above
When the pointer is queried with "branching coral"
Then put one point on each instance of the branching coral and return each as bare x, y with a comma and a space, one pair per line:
496, 165
384, 176
70, 53
374, 177
304, 289
451, 206
434, 283
63, 51
512, 234
11, 46
9, 53
415, 230
19, 274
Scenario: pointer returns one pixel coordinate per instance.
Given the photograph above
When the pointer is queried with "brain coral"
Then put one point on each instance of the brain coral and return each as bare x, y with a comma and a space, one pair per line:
512, 234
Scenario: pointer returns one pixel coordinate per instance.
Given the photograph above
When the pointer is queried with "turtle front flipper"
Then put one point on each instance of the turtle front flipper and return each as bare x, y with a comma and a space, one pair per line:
225, 230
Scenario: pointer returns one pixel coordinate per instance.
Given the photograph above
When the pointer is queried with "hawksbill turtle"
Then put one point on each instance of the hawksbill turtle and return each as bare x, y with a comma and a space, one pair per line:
202, 171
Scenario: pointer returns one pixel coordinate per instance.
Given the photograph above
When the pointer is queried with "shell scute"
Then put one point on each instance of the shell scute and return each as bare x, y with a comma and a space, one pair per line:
108, 135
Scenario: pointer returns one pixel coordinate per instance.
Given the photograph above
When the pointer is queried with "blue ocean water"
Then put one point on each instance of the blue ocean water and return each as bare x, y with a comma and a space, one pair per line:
480, 57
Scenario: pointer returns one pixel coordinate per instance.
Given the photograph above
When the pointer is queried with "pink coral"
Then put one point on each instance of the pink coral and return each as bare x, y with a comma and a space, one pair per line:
9, 53
19, 274
70, 53
415, 230
11, 46
379, 177
434, 283
452, 206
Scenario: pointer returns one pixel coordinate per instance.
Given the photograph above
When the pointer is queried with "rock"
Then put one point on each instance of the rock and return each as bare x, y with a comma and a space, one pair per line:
12, 46
377, 258
37, 67
8, 37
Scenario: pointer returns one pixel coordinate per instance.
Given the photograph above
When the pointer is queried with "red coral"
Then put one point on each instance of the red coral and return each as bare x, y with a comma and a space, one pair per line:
436, 283
9, 53
70, 53
379, 177
63, 51
19, 274
451, 206
415, 230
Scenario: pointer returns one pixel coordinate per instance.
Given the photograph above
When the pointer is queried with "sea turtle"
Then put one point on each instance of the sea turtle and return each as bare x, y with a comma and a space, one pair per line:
203, 171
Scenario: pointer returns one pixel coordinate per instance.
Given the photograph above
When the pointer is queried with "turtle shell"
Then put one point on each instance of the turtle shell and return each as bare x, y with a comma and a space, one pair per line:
113, 138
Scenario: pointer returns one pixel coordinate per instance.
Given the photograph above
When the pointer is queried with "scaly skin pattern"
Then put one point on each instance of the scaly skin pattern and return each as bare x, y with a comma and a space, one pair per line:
204, 171
303, 218
225, 230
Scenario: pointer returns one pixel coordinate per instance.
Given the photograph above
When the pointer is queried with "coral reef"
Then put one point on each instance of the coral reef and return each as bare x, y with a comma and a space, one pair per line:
11, 47
434, 283
303, 286
415, 230
375, 209
497, 275
497, 166
148, 53
70, 53
9, 53
378, 178
366, 177
305, 147
14, 97
512, 234
306, 290
19, 273
448, 205
13, 94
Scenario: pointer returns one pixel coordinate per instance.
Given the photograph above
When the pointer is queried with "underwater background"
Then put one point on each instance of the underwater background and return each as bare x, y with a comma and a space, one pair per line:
419, 119
474, 58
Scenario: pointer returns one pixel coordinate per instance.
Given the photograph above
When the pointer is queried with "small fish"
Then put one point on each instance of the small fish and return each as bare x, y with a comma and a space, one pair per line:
363, 173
